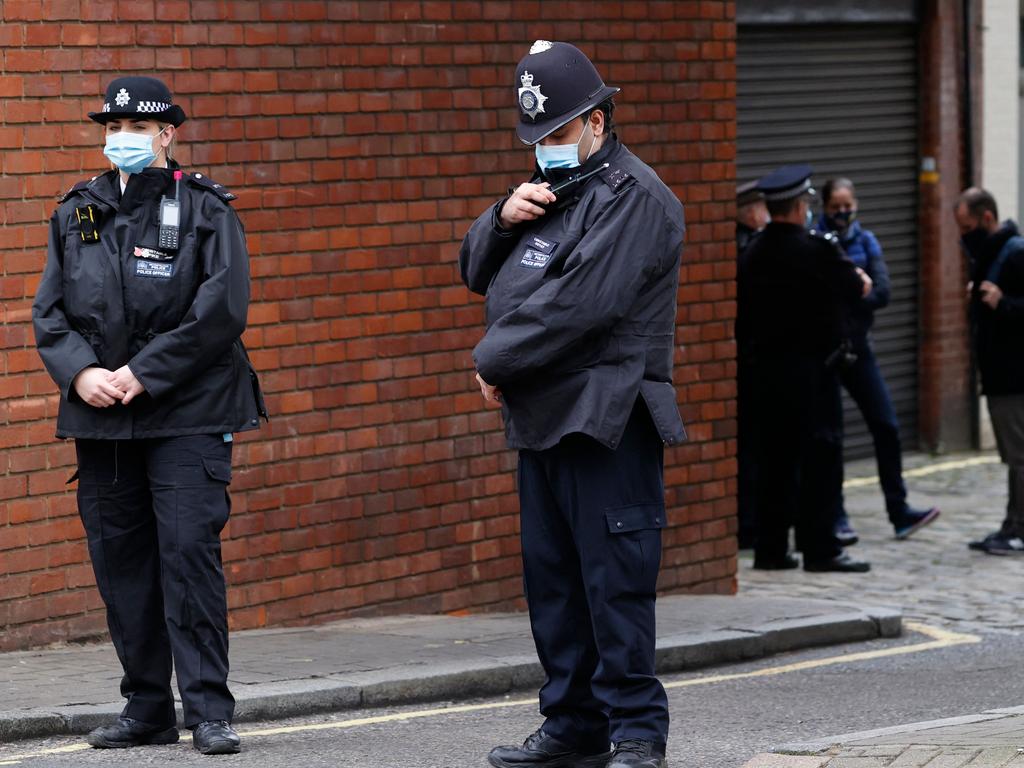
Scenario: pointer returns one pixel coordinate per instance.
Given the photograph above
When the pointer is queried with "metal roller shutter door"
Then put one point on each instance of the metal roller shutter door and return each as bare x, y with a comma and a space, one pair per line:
844, 98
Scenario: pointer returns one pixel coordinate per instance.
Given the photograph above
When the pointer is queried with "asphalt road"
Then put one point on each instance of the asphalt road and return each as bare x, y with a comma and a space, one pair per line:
718, 722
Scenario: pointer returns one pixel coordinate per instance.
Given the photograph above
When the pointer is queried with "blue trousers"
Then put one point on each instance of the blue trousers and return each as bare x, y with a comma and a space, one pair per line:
591, 535
864, 383
153, 511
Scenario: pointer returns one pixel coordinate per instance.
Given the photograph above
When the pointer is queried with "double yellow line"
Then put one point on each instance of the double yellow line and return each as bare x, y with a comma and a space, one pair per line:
939, 638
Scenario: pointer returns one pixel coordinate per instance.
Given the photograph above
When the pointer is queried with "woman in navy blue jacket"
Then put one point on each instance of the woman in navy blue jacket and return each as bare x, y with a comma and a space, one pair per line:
863, 380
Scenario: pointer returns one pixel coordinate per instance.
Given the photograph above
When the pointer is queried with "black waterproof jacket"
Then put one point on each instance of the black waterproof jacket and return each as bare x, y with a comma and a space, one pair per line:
999, 332
796, 294
175, 317
581, 305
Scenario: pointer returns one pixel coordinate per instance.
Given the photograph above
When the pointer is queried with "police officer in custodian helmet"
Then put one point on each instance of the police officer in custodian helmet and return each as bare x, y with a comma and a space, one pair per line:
138, 319
580, 267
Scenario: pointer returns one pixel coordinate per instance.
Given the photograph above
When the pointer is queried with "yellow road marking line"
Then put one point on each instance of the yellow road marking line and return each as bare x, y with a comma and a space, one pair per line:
15, 759
940, 638
931, 469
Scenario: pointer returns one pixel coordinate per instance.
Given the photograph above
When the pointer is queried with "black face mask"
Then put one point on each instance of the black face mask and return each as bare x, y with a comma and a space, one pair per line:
974, 241
841, 220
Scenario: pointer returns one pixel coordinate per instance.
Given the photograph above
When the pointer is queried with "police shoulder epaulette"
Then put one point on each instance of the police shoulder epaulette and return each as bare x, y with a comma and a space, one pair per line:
615, 177
77, 188
826, 237
204, 182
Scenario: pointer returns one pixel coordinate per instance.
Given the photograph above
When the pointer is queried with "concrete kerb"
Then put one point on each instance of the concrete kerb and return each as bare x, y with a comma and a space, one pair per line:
830, 743
416, 683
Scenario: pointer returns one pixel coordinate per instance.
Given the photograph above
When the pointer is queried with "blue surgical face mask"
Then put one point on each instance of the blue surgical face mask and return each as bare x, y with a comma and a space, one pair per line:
131, 152
562, 155
809, 218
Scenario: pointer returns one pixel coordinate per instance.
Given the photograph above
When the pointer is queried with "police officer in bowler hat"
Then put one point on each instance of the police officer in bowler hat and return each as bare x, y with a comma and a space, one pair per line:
796, 294
580, 267
138, 319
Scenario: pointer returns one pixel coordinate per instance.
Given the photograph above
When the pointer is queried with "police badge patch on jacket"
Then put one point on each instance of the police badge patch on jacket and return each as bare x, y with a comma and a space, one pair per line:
116, 290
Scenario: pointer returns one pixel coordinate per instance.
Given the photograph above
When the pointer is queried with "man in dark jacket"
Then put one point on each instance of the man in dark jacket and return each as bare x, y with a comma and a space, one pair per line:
795, 292
580, 267
138, 319
996, 255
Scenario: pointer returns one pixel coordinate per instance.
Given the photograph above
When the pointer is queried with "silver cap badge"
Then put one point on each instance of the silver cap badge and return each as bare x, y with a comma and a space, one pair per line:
531, 100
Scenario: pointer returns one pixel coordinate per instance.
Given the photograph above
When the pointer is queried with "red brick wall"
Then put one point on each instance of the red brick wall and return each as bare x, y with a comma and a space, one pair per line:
361, 139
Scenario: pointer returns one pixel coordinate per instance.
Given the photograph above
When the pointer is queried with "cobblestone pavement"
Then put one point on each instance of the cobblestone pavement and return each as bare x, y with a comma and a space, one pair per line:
932, 576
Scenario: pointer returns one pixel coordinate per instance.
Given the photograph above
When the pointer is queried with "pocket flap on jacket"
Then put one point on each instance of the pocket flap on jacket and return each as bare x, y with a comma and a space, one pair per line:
635, 517
660, 397
217, 468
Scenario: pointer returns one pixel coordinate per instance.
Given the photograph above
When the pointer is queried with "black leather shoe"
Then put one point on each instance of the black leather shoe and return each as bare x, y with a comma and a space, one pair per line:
216, 737
840, 564
637, 753
128, 732
784, 563
543, 751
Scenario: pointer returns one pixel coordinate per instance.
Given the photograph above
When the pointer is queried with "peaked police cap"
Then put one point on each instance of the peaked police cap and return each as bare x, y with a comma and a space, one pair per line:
555, 83
787, 182
144, 97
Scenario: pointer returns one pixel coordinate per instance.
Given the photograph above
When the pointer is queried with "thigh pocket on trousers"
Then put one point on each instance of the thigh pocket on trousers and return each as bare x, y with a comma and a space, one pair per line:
218, 472
636, 530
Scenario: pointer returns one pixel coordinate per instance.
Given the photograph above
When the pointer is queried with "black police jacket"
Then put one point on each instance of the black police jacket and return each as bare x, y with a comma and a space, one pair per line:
796, 295
110, 296
999, 332
581, 306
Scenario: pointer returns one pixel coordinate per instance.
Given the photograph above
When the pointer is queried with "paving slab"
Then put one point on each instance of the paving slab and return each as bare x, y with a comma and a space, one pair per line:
281, 673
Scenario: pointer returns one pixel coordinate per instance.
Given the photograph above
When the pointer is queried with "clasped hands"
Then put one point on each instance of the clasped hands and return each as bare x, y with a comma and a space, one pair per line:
101, 388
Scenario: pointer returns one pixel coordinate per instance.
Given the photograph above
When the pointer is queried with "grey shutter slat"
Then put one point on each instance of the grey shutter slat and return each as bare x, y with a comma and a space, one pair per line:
844, 99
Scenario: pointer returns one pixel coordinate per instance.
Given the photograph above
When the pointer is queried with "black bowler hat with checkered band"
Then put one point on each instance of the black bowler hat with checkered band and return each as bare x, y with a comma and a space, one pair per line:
555, 83
142, 97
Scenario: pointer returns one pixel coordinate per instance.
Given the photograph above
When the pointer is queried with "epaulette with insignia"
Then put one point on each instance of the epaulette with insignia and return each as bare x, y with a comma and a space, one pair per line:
205, 182
828, 237
615, 177
77, 188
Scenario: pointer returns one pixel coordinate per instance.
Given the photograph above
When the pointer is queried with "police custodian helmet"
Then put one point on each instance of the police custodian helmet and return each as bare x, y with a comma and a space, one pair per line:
555, 83
143, 97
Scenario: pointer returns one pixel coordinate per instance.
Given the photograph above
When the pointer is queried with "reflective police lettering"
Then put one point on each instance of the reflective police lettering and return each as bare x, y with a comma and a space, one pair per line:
535, 259
147, 268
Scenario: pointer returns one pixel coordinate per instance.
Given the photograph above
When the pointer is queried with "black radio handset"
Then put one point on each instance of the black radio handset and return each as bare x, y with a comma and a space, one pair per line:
170, 217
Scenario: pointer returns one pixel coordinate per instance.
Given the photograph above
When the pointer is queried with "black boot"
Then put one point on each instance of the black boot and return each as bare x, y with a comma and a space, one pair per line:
840, 564
216, 737
543, 751
128, 732
637, 753
785, 563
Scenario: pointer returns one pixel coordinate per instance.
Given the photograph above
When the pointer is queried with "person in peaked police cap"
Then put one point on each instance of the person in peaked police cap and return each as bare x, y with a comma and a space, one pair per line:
796, 290
138, 319
751, 218
580, 267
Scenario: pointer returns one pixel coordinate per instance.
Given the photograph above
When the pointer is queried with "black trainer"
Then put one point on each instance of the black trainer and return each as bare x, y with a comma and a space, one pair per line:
980, 545
543, 751
128, 732
1002, 544
216, 737
637, 753
912, 520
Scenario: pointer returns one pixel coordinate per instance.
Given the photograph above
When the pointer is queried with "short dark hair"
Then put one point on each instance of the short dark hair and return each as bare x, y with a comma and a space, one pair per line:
608, 108
835, 184
783, 207
978, 201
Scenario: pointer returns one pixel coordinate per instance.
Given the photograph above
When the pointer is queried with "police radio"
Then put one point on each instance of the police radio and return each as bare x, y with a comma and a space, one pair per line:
568, 185
170, 217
